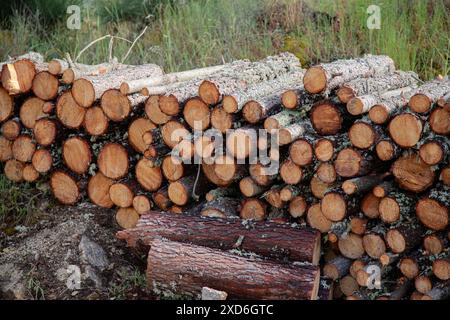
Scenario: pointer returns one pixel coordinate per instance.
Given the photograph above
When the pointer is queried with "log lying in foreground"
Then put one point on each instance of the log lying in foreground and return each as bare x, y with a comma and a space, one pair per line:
264, 238
177, 269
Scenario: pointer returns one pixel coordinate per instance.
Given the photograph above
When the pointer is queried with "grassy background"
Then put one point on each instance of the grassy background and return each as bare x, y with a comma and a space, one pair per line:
184, 34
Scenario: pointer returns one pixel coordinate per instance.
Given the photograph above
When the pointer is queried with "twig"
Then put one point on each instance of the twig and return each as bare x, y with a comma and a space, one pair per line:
134, 42
90, 44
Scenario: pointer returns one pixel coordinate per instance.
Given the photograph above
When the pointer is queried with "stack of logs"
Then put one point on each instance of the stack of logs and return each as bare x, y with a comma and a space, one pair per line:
361, 166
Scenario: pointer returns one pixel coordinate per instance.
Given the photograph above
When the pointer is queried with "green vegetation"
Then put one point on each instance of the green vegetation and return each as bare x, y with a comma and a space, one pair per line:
19, 204
184, 34
129, 284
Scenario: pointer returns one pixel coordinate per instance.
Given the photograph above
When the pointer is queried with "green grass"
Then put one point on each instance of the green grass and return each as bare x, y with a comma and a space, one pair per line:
185, 34
19, 204
128, 284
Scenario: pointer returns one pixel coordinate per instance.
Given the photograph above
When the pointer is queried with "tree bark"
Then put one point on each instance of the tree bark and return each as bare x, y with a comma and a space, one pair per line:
380, 84
183, 269
328, 76
89, 88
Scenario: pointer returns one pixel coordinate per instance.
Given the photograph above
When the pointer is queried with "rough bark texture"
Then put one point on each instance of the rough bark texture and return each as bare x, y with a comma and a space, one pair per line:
90, 88
427, 94
263, 238
325, 77
183, 269
378, 85
241, 75
235, 101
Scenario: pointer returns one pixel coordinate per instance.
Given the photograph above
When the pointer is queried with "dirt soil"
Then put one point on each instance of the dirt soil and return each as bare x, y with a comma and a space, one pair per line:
71, 253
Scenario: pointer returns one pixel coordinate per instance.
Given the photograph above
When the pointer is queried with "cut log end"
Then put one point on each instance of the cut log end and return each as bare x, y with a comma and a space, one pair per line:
45, 132
153, 111
317, 220
113, 160
140, 134
127, 218
290, 172
289, 99
355, 106
348, 163
98, 190
209, 92
221, 120
419, 103
169, 104
77, 154
315, 80
440, 121
412, 173
197, 114
431, 153
18, 77
326, 118
6, 105
301, 152
178, 193
31, 111
95, 121
29, 173
385, 150
64, 188
45, 85
5, 149
326, 173
149, 176
297, 206
68, 76
14, 170
409, 268
10, 129
441, 269
432, 214
115, 105
23, 148
362, 135
396, 241
351, 246
433, 244
42, 161
324, 150
172, 168
142, 204
379, 114
405, 129
345, 94
253, 209
252, 112
121, 195
389, 210
83, 92
333, 206
69, 112
230, 104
